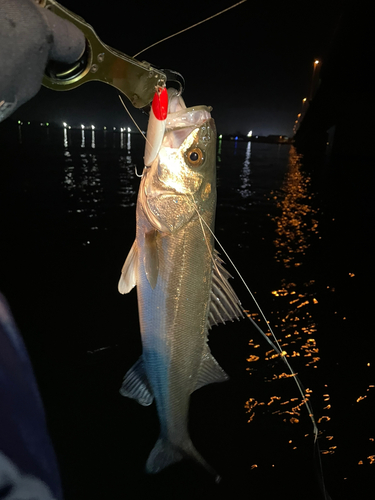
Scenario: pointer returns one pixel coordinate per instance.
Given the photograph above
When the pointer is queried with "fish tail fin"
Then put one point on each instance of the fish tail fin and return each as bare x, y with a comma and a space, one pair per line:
166, 453
162, 455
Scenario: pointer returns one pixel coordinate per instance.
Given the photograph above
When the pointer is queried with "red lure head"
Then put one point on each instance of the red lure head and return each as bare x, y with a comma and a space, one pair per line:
160, 103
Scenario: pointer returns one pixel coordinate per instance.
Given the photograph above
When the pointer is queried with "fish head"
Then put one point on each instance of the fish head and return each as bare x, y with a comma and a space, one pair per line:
182, 178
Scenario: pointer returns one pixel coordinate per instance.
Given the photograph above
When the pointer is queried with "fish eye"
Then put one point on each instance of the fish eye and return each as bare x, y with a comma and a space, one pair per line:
195, 157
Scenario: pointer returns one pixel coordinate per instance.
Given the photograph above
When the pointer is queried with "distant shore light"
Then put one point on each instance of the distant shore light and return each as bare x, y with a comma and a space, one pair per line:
65, 124
93, 127
250, 134
82, 126
129, 129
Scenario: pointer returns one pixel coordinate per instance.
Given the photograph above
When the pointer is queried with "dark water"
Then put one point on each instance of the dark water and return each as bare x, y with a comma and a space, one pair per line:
299, 232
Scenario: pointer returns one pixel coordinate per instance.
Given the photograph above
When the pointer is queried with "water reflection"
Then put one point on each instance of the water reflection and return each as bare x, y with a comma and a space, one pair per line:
96, 181
128, 186
69, 182
293, 310
66, 143
244, 190
82, 181
219, 146
296, 221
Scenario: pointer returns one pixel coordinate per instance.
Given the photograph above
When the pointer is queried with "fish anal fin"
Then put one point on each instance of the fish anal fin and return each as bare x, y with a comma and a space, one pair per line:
128, 278
151, 257
209, 371
136, 385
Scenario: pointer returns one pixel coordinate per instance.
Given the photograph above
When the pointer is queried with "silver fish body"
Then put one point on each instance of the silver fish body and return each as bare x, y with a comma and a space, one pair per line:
182, 287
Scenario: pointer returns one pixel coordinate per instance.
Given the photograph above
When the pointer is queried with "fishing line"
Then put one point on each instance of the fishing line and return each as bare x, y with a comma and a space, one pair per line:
192, 26
277, 349
136, 124
132, 119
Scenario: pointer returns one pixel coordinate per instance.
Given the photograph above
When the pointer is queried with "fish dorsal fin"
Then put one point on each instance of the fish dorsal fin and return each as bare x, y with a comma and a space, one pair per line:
128, 278
209, 371
224, 303
151, 257
136, 385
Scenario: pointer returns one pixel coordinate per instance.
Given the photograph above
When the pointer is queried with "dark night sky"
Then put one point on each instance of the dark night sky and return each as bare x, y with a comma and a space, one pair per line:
253, 64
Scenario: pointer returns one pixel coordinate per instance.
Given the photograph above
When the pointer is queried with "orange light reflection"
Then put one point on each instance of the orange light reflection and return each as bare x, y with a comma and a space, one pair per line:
294, 308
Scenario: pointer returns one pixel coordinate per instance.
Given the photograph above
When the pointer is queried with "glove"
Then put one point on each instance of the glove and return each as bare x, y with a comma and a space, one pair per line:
30, 36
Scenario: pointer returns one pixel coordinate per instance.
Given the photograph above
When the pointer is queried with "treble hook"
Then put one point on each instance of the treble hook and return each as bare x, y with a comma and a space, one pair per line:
136, 171
174, 76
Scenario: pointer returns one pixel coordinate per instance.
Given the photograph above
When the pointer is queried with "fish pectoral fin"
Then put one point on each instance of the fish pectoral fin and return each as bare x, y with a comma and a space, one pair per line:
151, 257
136, 385
224, 303
209, 371
128, 278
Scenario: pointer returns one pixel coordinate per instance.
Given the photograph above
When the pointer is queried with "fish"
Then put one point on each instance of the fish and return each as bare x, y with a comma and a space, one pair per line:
182, 284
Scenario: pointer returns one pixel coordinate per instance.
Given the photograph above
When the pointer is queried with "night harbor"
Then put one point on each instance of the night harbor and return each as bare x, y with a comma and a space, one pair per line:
186, 285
